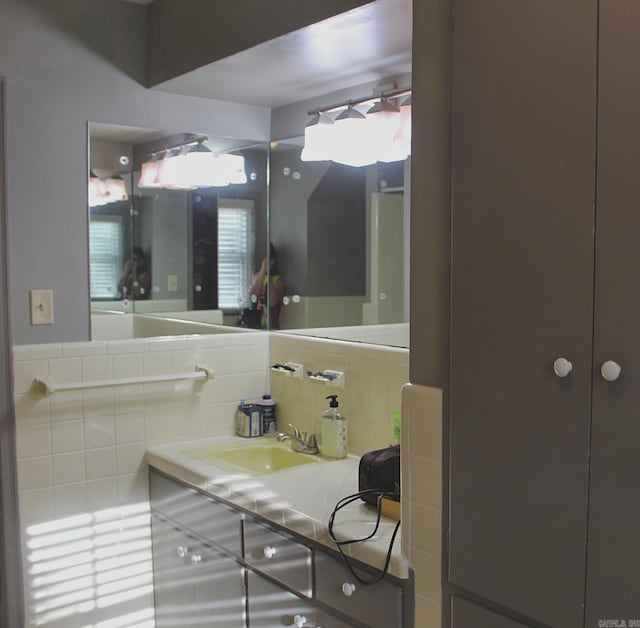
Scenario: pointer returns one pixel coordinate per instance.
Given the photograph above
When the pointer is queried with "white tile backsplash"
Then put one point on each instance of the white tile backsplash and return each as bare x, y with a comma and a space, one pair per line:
82, 451
101, 463
372, 392
68, 467
33, 440
67, 436
422, 497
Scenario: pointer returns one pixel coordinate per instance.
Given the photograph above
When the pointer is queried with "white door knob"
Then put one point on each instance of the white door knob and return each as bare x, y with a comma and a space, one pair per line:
299, 621
562, 367
348, 588
610, 370
269, 551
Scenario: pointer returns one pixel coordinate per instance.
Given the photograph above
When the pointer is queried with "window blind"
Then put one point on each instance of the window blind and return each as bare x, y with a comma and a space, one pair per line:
105, 262
236, 240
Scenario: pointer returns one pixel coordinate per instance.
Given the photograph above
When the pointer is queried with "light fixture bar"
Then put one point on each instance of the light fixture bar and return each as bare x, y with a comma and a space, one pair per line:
396, 93
189, 141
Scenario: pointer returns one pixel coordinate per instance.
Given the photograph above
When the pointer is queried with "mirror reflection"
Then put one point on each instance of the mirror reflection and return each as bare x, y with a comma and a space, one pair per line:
178, 226
341, 234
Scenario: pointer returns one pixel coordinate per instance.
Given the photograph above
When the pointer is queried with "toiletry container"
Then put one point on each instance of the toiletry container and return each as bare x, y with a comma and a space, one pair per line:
268, 407
334, 431
248, 420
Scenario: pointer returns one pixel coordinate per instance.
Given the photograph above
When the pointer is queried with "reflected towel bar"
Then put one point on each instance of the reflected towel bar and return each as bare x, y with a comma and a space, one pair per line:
46, 386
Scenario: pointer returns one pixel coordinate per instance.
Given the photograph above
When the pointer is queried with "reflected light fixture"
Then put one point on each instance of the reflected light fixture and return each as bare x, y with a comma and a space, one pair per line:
109, 190
363, 132
149, 172
190, 166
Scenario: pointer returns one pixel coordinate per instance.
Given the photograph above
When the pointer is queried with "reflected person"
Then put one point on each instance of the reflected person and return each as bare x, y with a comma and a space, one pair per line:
135, 280
268, 280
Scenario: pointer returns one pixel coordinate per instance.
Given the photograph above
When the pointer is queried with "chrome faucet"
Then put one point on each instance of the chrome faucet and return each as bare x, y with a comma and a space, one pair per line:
300, 442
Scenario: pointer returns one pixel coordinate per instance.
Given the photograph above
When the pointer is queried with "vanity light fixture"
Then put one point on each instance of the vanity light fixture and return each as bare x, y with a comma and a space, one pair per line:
364, 131
318, 138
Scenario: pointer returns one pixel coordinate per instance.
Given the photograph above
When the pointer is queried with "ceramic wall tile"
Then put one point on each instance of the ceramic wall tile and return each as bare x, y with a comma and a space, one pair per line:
67, 436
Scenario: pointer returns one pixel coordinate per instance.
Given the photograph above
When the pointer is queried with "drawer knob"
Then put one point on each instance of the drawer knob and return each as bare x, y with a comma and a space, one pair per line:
183, 551
196, 559
348, 588
299, 621
562, 367
269, 551
611, 370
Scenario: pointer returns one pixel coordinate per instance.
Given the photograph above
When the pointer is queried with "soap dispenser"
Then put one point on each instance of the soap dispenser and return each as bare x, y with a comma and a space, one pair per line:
334, 431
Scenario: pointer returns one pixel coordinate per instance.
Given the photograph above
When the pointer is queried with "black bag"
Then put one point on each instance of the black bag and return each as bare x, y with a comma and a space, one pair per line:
250, 318
380, 470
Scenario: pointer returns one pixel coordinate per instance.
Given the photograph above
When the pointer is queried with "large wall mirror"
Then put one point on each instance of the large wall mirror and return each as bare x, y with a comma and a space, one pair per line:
185, 256
341, 234
178, 225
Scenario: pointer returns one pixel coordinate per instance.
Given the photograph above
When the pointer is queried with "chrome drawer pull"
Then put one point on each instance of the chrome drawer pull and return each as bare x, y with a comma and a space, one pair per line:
348, 588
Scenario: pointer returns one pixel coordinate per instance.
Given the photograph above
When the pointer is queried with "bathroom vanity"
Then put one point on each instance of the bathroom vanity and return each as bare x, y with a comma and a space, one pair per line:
233, 549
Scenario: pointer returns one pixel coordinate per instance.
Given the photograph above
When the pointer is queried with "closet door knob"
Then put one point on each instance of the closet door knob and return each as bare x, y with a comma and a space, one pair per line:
196, 559
183, 551
610, 370
299, 621
269, 551
562, 367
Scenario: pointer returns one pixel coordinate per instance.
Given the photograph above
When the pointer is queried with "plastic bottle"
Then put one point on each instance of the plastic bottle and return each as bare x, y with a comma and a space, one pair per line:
334, 431
268, 406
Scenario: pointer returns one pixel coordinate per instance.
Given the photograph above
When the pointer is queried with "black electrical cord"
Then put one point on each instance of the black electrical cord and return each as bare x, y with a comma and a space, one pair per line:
345, 501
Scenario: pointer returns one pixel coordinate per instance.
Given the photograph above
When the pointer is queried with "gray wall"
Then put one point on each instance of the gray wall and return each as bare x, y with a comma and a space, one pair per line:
430, 193
11, 609
288, 214
167, 232
66, 63
207, 30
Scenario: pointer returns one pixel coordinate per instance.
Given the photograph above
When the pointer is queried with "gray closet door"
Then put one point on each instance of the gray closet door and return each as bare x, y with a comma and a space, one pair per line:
464, 614
524, 121
613, 569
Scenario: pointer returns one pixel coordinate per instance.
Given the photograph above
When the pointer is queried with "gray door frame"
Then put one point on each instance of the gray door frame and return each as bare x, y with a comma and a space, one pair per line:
11, 590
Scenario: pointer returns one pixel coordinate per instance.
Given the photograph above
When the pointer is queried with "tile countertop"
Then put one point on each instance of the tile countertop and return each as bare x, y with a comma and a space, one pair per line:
300, 498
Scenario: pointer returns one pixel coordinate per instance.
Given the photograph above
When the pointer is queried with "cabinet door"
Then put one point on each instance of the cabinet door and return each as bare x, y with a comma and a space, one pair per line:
194, 583
613, 571
464, 614
271, 607
522, 295
377, 606
172, 571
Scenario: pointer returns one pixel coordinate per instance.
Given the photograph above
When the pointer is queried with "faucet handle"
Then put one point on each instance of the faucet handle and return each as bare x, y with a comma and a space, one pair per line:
312, 442
296, 431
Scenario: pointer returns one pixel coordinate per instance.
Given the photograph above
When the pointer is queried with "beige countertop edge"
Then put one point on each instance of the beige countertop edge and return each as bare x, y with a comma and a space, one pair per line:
261, 498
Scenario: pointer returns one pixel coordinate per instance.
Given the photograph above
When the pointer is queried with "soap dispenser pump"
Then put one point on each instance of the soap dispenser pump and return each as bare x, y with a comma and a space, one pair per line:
334, 431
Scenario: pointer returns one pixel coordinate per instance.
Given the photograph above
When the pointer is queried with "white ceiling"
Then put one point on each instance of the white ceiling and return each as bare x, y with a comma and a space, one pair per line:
367, 44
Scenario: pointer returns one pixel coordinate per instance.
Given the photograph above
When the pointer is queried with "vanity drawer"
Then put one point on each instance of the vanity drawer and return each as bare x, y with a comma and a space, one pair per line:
280, 556
270, 606
376, 605
208, 518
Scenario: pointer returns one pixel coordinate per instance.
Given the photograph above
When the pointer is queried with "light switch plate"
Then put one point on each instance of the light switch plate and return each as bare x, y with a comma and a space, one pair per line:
41, 307
172, 283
